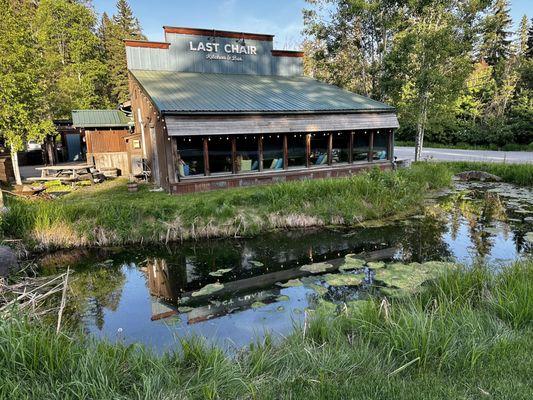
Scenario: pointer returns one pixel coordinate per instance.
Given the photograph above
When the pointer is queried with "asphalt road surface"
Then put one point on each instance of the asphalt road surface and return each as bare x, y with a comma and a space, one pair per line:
466, 155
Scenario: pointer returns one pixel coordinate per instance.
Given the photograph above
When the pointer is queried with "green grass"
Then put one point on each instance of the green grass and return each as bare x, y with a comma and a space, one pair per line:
520, 174
107, 214
468, 146
469, 335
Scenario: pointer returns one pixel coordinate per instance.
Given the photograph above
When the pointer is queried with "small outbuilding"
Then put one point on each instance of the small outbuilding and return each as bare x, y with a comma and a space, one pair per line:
102, 139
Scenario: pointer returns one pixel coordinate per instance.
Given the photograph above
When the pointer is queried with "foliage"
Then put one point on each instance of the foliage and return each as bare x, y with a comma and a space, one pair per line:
108, 214
460, 338
520, 174
450, 67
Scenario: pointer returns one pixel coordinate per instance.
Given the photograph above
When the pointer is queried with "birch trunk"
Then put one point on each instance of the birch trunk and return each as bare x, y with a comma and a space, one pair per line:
16, 169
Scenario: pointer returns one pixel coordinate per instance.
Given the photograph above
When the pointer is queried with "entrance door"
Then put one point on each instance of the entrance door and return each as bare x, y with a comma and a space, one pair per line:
74, 147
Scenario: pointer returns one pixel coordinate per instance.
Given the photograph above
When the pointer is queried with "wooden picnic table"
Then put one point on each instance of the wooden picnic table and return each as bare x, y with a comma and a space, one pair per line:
71, 173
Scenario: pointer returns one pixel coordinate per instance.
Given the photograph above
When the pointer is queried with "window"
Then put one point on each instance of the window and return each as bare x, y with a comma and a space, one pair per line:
219, 149
296, 149
361, 143
247, 158
272, 152
341, 147
191, 156
319, 149
381, 148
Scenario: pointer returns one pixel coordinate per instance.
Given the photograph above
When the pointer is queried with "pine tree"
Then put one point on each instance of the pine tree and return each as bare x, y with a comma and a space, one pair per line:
495, 33
522, 36
529, 53
112, 32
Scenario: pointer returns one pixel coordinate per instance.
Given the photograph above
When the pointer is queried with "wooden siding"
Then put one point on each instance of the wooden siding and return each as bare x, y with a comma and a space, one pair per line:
238, 125
117, 160
207, 183
105, 141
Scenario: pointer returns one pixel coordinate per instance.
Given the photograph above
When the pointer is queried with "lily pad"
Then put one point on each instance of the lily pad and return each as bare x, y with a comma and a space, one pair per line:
220, 272
280, 309
282, 298
376, 264
256, 263
316, 268
529, 237
344, 279
208, 289
351, 262
290, 283
185, 309
258, 304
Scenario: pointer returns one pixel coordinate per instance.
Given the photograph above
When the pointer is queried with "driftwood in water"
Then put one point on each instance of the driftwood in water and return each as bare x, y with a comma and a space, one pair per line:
477, 176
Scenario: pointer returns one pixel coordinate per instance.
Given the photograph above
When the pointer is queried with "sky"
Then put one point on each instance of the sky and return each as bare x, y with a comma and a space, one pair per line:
282, 18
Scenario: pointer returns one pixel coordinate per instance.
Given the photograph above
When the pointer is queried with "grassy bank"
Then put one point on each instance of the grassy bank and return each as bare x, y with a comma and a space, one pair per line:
469, 335
107, 214
468, 146
519, 174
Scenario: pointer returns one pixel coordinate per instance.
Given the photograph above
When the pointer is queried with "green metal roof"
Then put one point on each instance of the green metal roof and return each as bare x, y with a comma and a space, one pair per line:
100, 119
190, 92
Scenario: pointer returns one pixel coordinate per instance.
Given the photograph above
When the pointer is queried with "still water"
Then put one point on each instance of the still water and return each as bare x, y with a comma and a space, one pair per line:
232, 292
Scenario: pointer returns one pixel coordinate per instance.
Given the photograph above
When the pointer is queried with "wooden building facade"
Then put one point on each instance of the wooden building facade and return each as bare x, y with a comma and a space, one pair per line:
104, 134
217, 109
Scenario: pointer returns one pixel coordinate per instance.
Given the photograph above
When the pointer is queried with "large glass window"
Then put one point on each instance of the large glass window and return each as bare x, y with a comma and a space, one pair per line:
272, 152
319, 149
341, 147
296, 149
247, 153
381, 150
191, 156
220, 154
361, 143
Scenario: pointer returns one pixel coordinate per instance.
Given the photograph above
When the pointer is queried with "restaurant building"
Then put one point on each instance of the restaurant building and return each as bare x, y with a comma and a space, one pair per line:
218, 109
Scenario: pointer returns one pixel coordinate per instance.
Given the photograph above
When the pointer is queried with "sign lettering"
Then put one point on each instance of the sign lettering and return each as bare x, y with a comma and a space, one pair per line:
232, 52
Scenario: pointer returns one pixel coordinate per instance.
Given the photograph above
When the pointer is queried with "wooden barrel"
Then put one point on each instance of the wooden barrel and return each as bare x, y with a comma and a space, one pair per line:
133, 187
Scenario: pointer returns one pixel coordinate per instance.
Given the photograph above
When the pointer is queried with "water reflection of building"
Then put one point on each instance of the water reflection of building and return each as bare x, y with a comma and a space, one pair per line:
165, 281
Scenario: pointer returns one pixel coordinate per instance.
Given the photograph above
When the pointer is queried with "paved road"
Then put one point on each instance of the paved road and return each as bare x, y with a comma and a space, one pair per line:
466, 155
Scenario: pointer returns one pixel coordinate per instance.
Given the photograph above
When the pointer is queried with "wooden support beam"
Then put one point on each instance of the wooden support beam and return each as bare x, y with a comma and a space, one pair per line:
350, 148
330, 148
233, 154
390, 145
206, 157
308, 150
260, 149
371, 147
285, 151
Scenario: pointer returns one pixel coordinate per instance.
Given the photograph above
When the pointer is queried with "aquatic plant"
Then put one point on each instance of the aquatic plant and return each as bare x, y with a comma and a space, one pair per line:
468, 335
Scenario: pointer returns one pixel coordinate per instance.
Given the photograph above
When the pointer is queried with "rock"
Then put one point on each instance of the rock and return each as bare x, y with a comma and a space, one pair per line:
478, 176
8, 261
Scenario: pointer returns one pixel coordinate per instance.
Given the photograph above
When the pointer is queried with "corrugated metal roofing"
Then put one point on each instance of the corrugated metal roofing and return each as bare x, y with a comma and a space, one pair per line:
99, 119
189, 92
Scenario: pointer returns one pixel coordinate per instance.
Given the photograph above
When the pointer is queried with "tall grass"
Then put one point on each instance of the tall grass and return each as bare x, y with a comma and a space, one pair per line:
467, 336
108, 214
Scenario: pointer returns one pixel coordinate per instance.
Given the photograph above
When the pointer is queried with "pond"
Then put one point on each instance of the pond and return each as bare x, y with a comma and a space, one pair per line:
232, 292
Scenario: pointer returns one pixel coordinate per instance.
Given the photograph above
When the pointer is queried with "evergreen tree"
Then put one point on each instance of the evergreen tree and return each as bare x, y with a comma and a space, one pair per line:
523, 36
495, 32
529, 52
112, 32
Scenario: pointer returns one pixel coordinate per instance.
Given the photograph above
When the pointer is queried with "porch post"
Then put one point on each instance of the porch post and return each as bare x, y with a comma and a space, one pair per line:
285, 151
233, 154
330, 148
260, 149
206, 157
371, 147
350, 149
307, 150
390, 145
